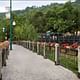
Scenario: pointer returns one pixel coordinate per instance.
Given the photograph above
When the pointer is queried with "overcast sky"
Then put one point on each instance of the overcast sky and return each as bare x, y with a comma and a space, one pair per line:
22, 4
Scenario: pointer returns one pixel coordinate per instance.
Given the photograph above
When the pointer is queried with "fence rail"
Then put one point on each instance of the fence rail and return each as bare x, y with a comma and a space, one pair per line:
61, 56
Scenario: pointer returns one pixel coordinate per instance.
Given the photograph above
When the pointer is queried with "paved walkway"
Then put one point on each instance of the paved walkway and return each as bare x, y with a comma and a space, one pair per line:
26, 65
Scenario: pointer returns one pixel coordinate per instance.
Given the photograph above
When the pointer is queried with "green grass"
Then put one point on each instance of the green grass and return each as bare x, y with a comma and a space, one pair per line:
69, 62
50, 53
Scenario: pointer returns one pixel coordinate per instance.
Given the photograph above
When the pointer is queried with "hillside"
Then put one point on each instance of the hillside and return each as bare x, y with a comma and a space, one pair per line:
35, 20
77, 3
43, 8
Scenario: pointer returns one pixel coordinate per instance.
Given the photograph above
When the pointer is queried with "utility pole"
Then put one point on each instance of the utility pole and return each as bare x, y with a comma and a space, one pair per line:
11, 24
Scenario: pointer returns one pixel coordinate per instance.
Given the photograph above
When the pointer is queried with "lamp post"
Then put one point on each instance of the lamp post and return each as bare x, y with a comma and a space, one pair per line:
14, 23
11, 24
3, 29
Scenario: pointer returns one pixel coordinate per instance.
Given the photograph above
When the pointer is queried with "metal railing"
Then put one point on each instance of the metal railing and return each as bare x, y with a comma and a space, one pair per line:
66, 57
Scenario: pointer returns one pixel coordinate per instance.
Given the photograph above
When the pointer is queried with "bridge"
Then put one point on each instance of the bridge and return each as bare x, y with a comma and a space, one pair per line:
23, 64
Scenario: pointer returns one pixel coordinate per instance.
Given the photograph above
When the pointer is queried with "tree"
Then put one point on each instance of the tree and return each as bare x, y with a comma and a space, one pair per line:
38, 21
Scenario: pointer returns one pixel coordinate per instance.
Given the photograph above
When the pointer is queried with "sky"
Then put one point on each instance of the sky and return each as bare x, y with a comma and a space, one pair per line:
22, 4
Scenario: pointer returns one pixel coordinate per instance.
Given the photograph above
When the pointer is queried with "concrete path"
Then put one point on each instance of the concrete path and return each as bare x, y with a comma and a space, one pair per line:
26, 65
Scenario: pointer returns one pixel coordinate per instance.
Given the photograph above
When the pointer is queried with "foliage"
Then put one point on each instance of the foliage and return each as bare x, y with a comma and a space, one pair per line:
35, 20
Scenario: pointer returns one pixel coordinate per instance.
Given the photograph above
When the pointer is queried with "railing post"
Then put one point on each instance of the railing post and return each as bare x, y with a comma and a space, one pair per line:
27, 44
79, 61
37, 47
23, 44
33, 46
30, 45
57, 54
44, 48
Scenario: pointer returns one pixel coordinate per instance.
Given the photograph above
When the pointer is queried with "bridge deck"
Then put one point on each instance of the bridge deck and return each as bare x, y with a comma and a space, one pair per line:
26, 65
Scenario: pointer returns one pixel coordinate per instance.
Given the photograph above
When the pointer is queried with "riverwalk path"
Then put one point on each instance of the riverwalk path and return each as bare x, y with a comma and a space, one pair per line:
23, 64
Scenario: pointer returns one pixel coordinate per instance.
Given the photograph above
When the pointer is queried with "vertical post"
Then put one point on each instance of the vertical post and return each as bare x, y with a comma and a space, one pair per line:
10, 24
44, 48
37, 47
29, 44
33, 46
57, 53
79, 61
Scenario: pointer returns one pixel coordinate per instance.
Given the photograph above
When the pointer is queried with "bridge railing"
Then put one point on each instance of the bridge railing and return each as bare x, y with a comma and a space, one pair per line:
67, 57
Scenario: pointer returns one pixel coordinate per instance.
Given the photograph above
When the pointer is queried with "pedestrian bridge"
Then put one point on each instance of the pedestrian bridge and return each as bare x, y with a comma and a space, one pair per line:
24, 64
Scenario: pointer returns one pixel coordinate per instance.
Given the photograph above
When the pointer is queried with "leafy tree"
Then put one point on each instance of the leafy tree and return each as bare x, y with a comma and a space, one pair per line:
36, 20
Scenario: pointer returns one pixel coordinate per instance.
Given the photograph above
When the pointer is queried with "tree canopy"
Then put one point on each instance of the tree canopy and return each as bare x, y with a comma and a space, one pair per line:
35, 20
